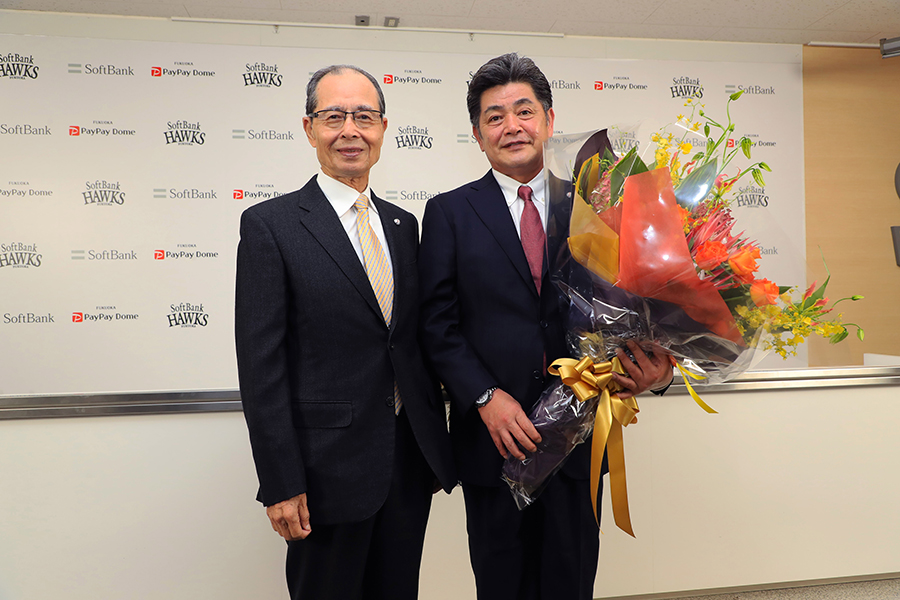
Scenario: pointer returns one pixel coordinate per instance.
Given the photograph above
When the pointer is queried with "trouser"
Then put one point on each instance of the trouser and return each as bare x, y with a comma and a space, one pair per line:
377, 558
548, 551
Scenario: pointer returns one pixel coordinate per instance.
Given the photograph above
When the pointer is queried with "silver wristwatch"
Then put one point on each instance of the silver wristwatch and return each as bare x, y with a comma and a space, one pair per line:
484, 398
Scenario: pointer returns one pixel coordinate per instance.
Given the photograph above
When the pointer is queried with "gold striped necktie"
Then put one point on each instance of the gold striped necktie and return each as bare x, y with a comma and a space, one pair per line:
377, 269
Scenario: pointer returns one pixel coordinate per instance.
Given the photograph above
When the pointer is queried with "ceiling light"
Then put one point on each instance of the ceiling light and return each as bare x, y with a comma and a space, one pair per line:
889, 47
391, 21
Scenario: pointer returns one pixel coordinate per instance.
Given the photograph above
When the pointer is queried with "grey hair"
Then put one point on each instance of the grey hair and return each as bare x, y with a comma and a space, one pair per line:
312, 87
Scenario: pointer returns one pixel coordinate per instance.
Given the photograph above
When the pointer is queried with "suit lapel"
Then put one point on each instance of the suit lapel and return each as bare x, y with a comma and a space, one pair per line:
319, 218
488, 202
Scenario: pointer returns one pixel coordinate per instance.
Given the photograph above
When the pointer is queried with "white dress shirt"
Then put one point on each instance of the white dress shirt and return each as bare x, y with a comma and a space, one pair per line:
510, 189
342, 197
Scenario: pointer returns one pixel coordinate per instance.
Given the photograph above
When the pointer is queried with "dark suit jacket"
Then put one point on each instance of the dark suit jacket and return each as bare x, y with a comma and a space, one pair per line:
317, 363
483, 322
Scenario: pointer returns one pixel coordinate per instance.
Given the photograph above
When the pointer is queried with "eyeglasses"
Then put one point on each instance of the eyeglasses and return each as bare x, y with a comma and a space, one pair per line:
334, 119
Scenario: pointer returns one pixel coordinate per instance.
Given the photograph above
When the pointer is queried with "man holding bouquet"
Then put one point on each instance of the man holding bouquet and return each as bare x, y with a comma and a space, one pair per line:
347, 429
491, 323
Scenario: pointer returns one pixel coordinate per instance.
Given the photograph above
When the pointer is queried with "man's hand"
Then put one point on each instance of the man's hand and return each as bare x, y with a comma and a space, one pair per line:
650, 372
290, 518
508, 423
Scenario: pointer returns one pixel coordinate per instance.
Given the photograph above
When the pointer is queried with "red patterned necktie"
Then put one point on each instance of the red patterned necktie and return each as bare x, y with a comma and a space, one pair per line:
532, 233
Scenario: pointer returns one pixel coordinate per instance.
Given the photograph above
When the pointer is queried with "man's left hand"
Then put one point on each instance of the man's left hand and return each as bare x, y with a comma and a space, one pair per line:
650, 373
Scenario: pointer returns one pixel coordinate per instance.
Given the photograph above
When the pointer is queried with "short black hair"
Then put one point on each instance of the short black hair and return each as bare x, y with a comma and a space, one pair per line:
509, 68
312, 88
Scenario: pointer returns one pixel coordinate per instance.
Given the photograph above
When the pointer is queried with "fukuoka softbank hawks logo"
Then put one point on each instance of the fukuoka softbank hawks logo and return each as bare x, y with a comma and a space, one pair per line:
18, 66
751, 196
262, 75
686, 87
623, 141
413, 137
103, 193
20, 256
187, 315
184, 133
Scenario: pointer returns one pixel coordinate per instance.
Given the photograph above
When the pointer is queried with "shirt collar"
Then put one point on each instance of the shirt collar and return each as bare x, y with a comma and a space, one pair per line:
510, 187
341, 196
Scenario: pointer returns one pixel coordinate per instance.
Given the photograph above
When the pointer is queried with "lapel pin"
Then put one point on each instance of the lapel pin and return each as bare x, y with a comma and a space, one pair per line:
396, 221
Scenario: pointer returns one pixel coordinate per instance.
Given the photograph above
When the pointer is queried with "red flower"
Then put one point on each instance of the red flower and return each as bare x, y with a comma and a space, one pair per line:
710, 255
763, 292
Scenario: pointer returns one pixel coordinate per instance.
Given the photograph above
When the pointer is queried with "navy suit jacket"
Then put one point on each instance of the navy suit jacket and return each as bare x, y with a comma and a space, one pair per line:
317, 363
483, 322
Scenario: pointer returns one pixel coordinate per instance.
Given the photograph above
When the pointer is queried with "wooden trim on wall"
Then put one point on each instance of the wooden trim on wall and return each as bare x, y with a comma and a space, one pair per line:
851, 119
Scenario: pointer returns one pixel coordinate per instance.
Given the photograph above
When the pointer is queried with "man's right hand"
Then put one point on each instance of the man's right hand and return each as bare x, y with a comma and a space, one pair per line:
508, 424
290, 518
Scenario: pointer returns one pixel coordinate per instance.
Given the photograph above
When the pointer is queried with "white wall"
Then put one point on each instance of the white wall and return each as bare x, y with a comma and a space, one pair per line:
780, 486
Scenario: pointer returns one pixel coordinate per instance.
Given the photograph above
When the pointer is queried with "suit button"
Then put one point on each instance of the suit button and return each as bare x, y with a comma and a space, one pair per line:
543, 324
536, 374
389, 401
392, 346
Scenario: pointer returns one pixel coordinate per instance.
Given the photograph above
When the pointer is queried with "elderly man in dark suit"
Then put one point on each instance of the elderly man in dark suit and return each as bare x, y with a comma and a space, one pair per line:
491, 320
348, 433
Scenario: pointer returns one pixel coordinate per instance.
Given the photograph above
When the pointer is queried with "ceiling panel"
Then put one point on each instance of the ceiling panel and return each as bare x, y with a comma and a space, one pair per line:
864, 15
761, 14
764, 21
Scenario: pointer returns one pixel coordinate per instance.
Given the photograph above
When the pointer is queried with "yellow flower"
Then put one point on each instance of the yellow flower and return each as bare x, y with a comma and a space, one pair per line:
695, 127
686, 147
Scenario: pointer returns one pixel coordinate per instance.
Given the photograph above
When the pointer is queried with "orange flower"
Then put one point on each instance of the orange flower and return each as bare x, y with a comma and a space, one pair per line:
710, 255
743, 263
763, 292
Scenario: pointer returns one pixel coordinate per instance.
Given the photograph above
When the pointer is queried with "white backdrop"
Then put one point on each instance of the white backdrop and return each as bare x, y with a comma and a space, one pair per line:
126, 165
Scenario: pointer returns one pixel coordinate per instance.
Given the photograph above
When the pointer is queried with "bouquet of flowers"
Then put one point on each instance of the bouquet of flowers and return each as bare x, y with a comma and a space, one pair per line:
653, 255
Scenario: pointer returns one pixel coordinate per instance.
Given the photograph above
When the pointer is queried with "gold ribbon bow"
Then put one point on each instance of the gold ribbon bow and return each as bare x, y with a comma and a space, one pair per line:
589, 380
